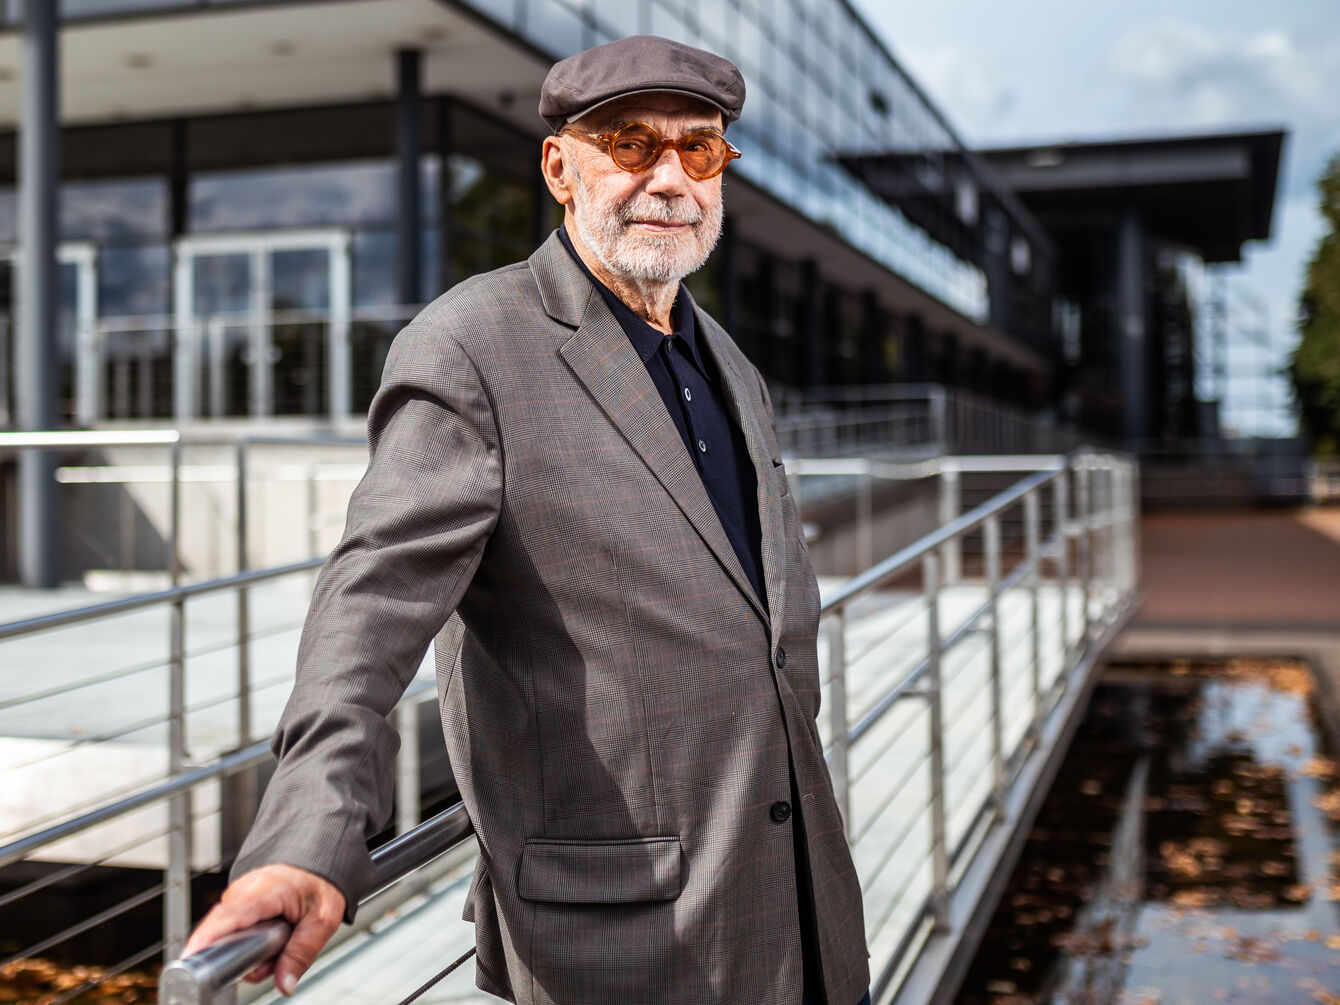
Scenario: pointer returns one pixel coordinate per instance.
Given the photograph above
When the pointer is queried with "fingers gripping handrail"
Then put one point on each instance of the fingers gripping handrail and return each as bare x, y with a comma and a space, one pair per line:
193, 980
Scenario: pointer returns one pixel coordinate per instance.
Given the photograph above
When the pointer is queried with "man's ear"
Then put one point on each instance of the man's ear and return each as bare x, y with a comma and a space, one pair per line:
556, 170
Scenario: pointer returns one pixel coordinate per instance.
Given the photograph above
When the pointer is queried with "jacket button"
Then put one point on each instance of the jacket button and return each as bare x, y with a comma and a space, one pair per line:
780, 812
781, 657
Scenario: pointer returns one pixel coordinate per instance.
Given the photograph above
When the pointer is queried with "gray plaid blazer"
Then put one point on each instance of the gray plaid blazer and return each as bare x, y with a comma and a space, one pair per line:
618, 711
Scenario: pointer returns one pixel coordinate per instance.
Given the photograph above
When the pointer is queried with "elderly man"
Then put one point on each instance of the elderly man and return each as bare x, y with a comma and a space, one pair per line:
578, 461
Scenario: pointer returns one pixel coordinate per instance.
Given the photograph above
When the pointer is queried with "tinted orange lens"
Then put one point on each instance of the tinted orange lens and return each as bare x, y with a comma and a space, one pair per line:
702, 154
635, 147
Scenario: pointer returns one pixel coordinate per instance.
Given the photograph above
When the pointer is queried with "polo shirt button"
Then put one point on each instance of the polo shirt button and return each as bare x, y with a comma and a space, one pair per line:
688, 395
780, 812
781, 657
702, 445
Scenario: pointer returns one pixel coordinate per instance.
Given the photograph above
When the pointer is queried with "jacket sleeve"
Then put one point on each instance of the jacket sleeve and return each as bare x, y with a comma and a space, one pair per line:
416, 528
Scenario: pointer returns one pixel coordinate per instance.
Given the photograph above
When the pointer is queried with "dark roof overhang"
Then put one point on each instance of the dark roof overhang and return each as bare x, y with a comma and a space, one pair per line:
1209, 193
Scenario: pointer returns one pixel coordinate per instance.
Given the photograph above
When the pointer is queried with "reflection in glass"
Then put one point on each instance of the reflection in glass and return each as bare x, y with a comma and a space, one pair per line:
306, 196
300, 297
222, 296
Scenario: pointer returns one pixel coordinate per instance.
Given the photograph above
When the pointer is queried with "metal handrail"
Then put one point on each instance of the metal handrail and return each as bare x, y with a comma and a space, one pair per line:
243, 953
123, 605
47, 440
238, 760
192, 980
1100, 529
899, 561
216, 967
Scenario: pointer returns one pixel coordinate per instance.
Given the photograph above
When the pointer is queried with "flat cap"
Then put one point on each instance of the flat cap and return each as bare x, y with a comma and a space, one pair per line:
639, 64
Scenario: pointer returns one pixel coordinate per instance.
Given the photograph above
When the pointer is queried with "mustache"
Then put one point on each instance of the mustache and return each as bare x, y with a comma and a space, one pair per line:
644, 207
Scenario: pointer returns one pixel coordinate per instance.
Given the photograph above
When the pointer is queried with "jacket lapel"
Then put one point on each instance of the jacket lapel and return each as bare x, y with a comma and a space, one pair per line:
604, 361
741, 390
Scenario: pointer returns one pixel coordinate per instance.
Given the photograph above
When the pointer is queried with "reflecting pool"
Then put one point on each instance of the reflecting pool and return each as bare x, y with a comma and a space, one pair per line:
1186, 852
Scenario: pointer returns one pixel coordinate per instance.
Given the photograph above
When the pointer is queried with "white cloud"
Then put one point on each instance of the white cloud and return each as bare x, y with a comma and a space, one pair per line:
970, 81
1189, 74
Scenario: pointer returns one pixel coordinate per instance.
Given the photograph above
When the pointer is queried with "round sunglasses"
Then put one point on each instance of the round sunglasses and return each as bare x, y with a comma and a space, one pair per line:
635, 147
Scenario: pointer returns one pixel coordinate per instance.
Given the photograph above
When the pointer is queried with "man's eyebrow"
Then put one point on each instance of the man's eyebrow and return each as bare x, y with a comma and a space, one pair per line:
616, 124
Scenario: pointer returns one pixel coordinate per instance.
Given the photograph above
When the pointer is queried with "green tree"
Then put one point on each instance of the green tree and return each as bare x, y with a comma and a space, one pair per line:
1314, 368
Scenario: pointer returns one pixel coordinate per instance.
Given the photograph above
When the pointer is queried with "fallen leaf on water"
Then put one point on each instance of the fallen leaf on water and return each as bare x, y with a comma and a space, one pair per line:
1319, 767
1298, 892
1252, 950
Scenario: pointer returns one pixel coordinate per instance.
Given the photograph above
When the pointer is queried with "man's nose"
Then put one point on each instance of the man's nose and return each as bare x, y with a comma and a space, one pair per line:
667, 175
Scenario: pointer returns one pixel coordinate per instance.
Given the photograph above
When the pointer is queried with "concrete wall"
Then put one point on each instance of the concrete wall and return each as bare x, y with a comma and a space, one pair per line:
116, 507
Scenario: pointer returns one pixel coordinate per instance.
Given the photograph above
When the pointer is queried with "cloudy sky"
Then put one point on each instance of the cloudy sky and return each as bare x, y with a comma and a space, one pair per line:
1026, 70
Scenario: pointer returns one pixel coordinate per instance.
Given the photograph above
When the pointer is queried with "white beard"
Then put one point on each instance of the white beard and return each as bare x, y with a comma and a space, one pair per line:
641, 257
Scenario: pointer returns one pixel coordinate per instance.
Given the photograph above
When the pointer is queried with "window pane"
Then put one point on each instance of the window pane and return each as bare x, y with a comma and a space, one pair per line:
114, 211
334, 195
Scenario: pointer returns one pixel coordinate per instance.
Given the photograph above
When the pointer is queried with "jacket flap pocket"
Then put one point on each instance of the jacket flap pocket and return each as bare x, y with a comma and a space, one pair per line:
600, 872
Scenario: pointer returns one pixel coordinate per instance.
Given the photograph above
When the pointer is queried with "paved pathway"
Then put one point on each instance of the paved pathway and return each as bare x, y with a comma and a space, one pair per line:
1263, 568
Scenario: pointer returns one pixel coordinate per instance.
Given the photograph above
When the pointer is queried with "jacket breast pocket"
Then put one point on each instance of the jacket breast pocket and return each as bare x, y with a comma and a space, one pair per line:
637, 870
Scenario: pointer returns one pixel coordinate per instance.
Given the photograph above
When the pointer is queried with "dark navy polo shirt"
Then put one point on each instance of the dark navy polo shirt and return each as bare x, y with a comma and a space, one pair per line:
689, 384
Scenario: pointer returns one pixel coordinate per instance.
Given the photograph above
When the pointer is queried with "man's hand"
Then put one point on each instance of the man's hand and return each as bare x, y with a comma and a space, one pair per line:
311, 904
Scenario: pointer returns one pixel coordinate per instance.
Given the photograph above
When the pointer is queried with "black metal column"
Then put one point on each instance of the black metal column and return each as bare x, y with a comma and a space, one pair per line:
446, 146
765, 310
179, 181
38, 361
1131, 362
727, 252
873, 333
541, 200
409, 150
812, 369
914, 349
950, 373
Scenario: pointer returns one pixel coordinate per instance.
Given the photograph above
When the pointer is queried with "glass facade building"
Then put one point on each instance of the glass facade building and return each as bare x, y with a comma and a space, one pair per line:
949, 277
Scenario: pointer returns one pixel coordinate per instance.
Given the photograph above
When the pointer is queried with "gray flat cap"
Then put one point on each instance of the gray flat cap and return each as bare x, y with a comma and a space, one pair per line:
639, 64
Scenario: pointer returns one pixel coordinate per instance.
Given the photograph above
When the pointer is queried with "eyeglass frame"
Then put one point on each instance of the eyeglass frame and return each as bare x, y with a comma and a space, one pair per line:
606, 139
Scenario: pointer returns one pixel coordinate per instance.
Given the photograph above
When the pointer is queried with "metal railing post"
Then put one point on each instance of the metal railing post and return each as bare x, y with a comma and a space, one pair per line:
312, 537
177, 886
939, 422
1032, 544
950, 503
1111, 531
407, 767
339, 392
1061, 502
1127, 531
991, 536
243, 599
939, 832
1084, 513
865, 531
835, 633
1134, 515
